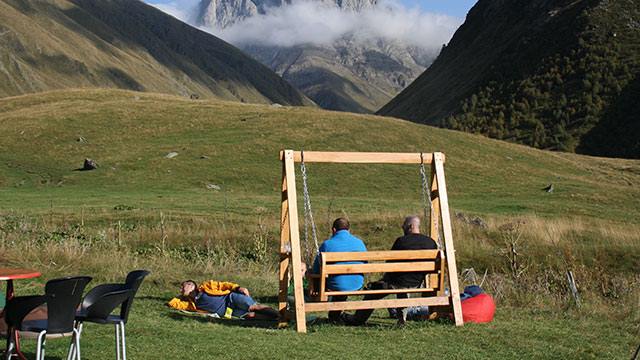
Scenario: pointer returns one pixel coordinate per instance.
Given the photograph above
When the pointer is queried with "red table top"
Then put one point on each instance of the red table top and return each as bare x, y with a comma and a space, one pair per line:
14, 274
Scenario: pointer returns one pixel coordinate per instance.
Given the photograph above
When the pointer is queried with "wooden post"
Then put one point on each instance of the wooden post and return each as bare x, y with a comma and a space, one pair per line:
285, 252
435, 223
435, 202
323, 280
448, 238
294, 236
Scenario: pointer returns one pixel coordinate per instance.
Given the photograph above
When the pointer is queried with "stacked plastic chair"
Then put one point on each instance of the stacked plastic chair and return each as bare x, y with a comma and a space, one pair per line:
100, 302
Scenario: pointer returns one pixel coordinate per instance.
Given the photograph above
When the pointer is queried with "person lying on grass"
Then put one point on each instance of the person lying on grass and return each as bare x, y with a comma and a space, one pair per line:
226, 299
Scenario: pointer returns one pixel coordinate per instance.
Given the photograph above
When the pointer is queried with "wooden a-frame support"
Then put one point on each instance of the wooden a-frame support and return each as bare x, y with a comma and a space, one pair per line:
290, 251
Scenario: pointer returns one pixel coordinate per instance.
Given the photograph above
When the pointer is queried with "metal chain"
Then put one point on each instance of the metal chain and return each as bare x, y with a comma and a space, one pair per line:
303, 169
426, 192
308, 213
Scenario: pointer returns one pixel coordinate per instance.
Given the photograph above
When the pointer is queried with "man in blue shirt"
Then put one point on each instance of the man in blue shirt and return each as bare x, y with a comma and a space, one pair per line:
341, 241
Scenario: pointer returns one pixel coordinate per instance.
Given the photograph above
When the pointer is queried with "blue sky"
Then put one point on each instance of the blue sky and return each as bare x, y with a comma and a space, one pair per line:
457, 8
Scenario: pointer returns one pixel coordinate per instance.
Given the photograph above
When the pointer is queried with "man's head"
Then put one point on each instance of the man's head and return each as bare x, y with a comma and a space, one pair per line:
340, 224
187, 288
411, 225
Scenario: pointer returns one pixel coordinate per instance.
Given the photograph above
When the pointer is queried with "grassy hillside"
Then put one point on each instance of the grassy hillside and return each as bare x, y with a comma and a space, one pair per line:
47, 136
541, 73
140, 209
60, 44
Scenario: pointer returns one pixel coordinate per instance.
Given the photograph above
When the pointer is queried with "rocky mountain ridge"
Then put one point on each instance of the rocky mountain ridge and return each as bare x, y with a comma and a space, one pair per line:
349, 74
224, 13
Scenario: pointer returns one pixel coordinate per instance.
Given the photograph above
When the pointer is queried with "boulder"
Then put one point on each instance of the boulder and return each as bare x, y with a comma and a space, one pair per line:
475, 221
89, 165
214, 187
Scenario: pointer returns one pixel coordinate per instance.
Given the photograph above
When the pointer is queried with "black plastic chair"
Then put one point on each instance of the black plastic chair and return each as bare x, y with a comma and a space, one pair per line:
131, 284
62, 297
133, 281
97, 306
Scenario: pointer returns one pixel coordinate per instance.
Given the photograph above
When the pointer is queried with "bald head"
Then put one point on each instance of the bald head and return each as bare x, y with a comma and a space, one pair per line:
411, 225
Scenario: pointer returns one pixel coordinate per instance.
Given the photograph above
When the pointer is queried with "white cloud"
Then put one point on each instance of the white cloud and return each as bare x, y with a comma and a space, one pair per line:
316, 23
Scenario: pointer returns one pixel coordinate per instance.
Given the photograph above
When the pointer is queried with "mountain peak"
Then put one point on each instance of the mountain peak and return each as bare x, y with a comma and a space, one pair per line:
353, 5
224, 13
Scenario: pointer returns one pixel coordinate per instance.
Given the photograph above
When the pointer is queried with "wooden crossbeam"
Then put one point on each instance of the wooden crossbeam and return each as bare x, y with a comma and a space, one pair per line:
360, 157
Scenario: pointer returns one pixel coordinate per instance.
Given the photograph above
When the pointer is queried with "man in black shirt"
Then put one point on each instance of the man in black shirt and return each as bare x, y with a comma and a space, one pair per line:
412, 240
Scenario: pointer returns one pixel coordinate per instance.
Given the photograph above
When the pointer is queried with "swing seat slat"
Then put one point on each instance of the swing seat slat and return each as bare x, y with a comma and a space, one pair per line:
379, 268
381, 255
376, 304
383, 291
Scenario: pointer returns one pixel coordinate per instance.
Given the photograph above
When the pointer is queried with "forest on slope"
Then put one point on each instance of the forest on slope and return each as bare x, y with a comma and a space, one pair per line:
550, 74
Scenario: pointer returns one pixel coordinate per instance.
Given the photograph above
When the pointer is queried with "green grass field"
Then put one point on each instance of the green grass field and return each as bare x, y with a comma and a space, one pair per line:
140, 209
156, 333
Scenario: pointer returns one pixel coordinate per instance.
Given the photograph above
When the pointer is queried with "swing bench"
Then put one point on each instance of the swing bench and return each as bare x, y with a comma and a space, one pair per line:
331, 263
436, 264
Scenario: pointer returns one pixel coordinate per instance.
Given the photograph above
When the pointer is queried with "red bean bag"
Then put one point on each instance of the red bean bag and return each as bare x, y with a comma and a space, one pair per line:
478, 309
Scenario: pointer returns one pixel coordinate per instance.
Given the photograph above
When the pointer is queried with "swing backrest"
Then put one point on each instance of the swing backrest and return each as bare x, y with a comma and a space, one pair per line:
395, 261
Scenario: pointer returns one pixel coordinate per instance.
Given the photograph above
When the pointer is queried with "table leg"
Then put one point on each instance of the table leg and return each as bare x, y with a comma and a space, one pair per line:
9, 294
7, 297
16, 336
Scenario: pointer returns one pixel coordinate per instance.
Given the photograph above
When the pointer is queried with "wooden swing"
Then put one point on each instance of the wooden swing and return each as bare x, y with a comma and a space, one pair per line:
430, 261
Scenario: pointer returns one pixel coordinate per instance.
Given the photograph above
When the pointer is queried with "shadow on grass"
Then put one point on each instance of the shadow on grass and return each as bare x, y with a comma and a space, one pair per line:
375, 323
313, 322
248, 323
267, 299
162, 299
30, 355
